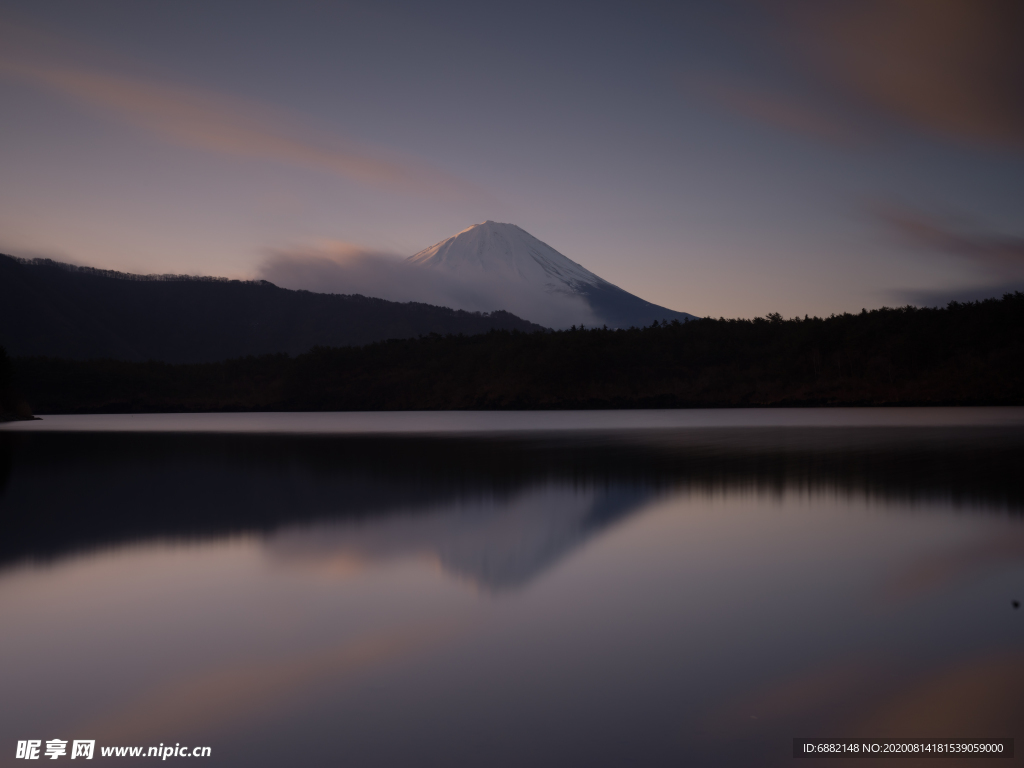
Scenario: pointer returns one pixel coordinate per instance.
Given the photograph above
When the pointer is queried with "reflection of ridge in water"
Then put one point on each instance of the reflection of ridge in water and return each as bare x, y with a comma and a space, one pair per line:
498, 542
496, 509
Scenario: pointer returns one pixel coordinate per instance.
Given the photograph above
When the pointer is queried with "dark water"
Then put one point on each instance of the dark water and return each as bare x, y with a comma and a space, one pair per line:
547, 590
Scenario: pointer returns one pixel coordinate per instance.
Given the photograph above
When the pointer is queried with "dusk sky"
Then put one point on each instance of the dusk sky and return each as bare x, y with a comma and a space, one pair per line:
720, 158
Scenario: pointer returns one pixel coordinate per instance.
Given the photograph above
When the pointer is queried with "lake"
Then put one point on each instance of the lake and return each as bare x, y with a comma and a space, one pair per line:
505, 589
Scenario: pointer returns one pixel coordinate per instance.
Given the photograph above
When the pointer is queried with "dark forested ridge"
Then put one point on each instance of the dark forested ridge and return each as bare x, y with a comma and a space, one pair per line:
964, 354
12, 407
59, 310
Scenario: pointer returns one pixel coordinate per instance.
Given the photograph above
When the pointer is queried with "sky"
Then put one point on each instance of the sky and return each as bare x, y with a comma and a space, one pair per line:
724, 158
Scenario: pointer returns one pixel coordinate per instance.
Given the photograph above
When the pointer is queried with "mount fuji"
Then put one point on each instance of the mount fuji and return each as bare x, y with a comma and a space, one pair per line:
534, 281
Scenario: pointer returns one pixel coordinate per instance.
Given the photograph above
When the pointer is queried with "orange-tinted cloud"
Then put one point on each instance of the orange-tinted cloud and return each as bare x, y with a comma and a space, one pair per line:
1002, 254
938, 571
241, 692
813, 691
774, 109
977, 698
214, 122
952, 67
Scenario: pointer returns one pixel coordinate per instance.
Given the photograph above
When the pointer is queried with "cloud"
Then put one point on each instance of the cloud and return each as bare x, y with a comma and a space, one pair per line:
943, 570
942, 297
821, 687
218, 123
246, 691
951, 67
998, 258
1000, 254
965, 695
774, 109
345, 268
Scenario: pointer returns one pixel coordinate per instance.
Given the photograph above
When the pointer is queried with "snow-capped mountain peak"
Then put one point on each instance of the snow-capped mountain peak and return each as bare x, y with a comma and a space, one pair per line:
533, 280
507, 252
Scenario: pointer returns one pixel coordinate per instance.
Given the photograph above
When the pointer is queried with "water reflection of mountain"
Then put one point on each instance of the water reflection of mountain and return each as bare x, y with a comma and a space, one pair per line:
497, 543
493, 509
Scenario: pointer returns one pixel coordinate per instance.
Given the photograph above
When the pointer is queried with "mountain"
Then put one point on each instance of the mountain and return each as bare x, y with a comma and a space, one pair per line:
533, 274
500, 542
60, 310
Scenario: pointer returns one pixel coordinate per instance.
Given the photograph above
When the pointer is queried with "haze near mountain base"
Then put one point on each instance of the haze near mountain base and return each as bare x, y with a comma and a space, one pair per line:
485, 267
80, 313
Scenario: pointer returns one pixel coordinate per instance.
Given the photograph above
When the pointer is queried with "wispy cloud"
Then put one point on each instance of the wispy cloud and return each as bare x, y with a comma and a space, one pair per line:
998, 253
952, 67
231, 694
997, 258
942, 297
333, 266
942, 570
841, 71
346, 268
775, 109
216, 122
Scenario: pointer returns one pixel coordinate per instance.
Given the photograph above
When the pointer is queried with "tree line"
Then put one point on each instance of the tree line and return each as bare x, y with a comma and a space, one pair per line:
963, 354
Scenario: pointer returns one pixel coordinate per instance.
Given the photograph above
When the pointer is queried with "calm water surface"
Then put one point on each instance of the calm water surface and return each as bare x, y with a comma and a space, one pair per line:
545, 589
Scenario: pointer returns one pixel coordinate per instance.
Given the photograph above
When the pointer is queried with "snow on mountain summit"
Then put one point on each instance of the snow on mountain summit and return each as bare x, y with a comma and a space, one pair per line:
485, 268
509, 253
530, 278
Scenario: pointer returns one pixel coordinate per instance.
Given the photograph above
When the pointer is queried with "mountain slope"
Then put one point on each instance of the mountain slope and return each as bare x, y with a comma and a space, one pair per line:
59, 310
532, 272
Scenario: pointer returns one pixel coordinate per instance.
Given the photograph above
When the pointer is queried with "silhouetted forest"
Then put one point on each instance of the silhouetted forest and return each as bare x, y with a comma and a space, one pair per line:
963, 354
79, 313
12, 407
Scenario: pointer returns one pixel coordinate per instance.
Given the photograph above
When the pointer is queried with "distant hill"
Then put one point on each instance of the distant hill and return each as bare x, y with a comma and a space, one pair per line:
79, 313
965, 354
12, 407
